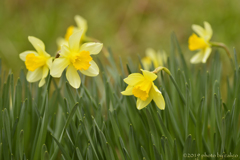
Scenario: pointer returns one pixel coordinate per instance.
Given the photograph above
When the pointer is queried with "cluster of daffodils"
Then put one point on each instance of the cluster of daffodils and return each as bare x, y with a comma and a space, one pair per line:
74, 56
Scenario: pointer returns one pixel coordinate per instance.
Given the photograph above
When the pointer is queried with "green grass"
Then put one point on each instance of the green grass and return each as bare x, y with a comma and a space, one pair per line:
97, 122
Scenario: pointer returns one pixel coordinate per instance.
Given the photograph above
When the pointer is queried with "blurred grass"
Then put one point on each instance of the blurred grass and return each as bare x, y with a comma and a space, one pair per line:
128, 27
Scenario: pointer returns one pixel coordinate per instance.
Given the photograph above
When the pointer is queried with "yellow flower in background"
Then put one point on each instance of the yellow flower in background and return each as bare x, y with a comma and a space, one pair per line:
200, 43
142, 87
81, 25
38, 63
76, 57
157, 58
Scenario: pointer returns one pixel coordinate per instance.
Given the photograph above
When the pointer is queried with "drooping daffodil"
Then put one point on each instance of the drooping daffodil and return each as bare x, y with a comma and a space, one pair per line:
81, 25
201, 42
37, 62
76, 57
157, 58
142, 87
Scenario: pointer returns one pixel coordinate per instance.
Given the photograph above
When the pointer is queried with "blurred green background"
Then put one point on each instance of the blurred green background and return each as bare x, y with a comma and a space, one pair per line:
127, 26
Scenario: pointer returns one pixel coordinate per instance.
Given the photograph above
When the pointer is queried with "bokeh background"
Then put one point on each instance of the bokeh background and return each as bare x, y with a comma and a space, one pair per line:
128, 27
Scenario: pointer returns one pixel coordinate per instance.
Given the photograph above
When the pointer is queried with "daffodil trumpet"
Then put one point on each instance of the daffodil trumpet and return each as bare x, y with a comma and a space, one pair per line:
143, 88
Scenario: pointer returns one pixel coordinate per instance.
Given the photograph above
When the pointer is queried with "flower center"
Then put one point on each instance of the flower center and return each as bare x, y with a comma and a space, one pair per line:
33, 62
196, 42
81, 60
142, 90
69, 32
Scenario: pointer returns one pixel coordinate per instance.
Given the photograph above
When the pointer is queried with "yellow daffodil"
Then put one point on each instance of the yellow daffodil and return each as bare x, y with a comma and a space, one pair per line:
157, 58
38, 63
200, 43
81, 25
142, 87
76, 57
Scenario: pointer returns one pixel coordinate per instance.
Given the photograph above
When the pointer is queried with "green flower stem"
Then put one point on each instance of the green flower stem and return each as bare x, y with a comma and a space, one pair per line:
182, 98
158, 69
222, 45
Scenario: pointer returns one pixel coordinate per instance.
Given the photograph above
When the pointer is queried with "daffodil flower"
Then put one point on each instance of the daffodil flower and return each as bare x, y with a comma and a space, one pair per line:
81, 25
38, 63
142, 87
157, 58
76, 57
201, 43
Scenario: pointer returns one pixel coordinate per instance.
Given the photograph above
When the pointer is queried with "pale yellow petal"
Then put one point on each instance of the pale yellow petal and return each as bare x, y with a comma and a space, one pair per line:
198, 57
134, 79
58, 65
44, 75
73, 77
157, 97
45, 71
36, 75
147, 63
151, 53
37, 43
81, 23
199, 30
42, 82
208, 30
74, 41
64, 51
141, 104
61, 41
128, 91
49, 62
92, 71
149, 75
93, 48
161, 58
24, 54
207, 53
